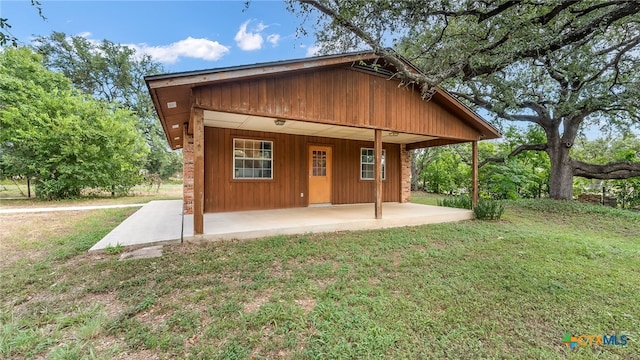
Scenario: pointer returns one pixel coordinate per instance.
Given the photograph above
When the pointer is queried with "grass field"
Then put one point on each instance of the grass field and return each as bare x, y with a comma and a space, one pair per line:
474, 289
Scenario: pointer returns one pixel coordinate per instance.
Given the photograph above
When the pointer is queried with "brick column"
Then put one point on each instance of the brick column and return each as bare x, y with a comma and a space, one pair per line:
187, 173
405, 174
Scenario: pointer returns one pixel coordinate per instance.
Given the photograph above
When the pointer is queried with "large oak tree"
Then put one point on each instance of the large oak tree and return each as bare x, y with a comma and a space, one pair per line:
497, 48
592, 83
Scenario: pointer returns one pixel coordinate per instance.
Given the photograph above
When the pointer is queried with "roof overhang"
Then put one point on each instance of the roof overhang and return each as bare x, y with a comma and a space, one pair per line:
174, 110
206, 77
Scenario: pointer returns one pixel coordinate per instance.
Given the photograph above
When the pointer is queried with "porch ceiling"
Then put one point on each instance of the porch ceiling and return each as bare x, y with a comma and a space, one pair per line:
267, 124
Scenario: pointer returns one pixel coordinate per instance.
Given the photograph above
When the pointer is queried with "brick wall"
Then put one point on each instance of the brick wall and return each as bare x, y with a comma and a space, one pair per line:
187, 174
405, 174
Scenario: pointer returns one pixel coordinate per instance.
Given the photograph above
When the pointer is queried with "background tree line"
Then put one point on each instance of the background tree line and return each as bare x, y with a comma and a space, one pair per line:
447, 169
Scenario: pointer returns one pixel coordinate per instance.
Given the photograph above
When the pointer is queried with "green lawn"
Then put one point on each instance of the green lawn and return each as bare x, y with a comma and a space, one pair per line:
421, 197
474, 289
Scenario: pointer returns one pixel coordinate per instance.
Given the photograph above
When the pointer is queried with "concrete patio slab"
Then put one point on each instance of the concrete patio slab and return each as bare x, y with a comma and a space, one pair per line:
65, 208
156, 223
261, 223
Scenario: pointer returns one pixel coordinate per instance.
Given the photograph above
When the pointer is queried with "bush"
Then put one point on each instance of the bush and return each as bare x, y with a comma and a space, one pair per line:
488, 209
462, 202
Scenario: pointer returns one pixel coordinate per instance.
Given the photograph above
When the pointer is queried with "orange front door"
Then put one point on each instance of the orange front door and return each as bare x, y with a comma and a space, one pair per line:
319, 174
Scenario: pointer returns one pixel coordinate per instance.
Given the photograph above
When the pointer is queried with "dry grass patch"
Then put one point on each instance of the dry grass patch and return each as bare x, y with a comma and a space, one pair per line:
307, 305
257, 302
25, 236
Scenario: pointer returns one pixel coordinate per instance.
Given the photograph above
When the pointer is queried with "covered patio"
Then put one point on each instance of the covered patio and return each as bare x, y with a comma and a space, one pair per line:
317, 219
162, 222
301, 145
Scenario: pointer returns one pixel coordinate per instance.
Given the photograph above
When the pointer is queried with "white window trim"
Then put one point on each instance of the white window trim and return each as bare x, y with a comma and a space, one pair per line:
384, 165
233, 162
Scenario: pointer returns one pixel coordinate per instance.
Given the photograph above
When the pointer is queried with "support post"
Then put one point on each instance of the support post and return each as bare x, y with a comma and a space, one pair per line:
474, 174
377, 149
197, 115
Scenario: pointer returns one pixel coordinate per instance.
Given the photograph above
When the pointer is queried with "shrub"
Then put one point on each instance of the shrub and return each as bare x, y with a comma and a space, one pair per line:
461, 201
488, 209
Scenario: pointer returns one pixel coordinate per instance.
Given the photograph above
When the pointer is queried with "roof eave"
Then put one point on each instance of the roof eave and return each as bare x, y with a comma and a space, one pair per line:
203, 77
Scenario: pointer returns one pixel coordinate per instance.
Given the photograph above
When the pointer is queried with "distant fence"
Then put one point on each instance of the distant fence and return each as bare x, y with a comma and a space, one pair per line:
603, 199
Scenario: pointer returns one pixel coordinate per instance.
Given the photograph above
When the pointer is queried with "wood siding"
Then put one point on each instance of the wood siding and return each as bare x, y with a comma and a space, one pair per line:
341, 96
290, 172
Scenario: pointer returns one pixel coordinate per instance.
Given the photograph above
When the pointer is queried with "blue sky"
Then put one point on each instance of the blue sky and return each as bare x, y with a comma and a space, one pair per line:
182, 35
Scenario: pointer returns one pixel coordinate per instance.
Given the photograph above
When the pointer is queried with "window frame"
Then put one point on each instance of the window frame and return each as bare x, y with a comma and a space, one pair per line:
234, 158
384, 164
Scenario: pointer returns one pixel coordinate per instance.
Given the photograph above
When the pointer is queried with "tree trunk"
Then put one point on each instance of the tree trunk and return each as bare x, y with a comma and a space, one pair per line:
414, 171
561, 172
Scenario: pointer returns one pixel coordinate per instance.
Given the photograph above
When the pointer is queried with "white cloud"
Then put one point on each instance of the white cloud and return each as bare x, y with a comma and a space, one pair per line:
273, 39
260, 27
252, 39
249, 40
201, 48
313, 50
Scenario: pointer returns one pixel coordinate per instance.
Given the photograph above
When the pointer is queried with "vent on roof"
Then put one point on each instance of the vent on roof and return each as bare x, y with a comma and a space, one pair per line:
374, 68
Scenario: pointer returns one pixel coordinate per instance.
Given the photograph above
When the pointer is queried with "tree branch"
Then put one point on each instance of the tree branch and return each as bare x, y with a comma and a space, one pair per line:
516, 151
602, 21
477, 100
613, 170
546, 18
427, 84
501, 8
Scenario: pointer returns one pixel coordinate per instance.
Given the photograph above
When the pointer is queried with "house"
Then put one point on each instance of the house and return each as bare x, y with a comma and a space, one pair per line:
334, 129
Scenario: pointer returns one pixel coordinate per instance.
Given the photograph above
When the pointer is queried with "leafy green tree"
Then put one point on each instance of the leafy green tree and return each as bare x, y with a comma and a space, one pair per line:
523, 175
443, 169
421, 158
114, 73
446, 172
65, 140
447, 169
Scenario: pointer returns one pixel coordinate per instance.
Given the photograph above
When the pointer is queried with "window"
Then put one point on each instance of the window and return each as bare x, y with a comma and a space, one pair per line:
367, 164
252, 159
319, 163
